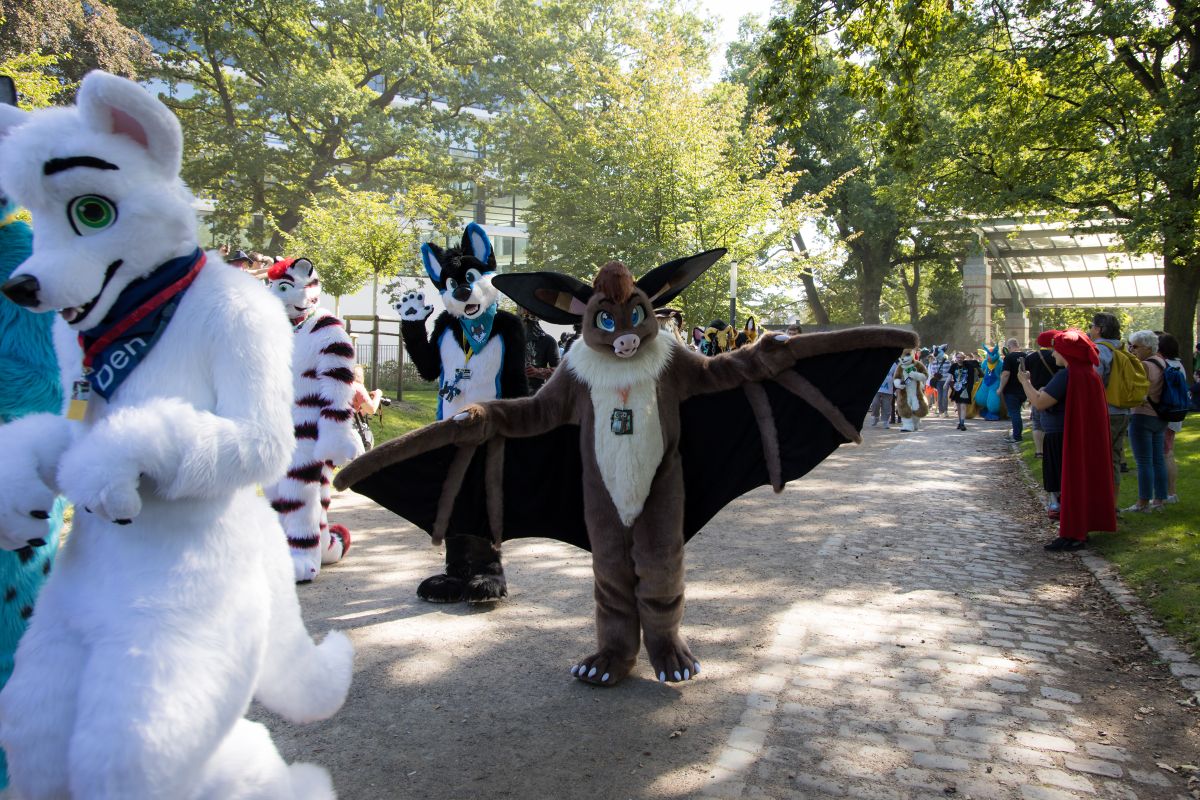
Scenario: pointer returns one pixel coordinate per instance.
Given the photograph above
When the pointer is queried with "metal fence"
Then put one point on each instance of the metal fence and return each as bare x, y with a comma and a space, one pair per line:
383, 358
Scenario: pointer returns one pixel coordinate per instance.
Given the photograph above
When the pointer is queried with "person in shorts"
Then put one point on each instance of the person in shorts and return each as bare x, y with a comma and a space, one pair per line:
961, 382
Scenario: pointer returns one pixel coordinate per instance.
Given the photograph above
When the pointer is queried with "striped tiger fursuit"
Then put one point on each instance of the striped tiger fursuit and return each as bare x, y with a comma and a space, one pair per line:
323, 376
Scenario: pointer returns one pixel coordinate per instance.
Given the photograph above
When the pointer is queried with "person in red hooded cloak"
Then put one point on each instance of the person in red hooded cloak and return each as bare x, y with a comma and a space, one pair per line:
1088, 503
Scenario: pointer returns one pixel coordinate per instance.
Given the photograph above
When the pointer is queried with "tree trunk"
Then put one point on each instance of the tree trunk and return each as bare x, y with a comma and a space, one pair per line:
819, 312
912, 293
284, 224
874, 269
1181, 284
874, 265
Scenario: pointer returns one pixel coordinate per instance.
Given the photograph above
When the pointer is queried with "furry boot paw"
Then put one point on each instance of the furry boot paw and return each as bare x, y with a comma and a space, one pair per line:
486, 588
339, 544
442, 589
603, 668
672, 661
307, 563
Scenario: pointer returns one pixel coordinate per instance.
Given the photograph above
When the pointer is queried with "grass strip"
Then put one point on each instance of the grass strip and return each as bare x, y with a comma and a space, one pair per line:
1158, 554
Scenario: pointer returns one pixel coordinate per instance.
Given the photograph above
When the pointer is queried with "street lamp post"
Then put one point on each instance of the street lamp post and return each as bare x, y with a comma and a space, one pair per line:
733, 294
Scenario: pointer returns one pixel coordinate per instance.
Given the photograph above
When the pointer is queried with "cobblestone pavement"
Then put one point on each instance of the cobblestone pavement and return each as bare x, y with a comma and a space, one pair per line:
888, 627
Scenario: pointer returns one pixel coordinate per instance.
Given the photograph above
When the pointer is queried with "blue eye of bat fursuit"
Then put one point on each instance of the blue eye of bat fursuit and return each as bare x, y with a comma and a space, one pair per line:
605, 322
638, 315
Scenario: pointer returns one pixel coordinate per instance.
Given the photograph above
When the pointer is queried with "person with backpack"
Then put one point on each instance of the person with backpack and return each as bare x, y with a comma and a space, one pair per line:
1076, 460
1041, 366
1174, 405
882, 405
1125, 384
1147, 428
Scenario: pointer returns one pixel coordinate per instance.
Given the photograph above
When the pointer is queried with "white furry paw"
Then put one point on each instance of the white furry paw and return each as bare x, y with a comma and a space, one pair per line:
310, 782
25, 506
412, 308
100, 484
306, 564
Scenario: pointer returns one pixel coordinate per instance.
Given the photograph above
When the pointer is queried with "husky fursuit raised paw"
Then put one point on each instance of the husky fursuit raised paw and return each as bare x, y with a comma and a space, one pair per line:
173, 604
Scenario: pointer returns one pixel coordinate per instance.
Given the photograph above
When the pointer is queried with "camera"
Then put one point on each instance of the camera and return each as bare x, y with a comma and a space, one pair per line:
385, 401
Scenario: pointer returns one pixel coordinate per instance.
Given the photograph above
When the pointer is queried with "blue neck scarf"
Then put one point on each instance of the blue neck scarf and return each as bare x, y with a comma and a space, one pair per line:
477, 331
135, 323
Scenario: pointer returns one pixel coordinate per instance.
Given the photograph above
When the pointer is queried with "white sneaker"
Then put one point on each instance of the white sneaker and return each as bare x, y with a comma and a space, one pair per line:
874, 422
1172, 498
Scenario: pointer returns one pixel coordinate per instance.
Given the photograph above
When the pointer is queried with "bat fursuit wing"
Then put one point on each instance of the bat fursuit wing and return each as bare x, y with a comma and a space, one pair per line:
763, 433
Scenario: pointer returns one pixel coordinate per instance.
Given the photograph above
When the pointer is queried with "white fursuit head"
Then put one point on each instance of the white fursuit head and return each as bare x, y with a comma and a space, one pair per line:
172, 604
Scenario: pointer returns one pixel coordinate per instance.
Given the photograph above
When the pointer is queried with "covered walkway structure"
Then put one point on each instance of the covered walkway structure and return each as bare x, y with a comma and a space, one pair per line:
1025, 265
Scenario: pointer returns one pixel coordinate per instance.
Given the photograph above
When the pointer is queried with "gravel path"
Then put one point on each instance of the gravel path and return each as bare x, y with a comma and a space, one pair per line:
887, 627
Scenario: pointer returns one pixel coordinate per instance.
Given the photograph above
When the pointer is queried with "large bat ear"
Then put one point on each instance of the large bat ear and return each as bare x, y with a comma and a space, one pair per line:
552, 296
115, 105
431, 257
476, 242
662, 284
10, 115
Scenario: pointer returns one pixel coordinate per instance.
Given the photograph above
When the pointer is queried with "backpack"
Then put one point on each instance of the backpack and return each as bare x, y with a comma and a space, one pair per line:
1175, 401
1127, 381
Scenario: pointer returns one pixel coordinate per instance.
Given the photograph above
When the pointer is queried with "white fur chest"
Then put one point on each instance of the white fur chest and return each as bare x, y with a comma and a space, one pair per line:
477, 379
628, 435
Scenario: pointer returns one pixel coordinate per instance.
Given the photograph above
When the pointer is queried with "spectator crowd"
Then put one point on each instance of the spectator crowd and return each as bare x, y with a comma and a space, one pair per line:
1088, 392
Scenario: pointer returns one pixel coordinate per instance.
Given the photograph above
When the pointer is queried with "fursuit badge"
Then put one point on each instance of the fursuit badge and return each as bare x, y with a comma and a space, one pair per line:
81, 393
621, 421
450, 391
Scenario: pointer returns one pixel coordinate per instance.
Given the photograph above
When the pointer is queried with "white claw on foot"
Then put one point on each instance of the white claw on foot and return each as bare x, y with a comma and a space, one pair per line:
678, 677
662, 676
696, 670
687, 676
604, 678
459, 417
574, 669
780, 337
592, 674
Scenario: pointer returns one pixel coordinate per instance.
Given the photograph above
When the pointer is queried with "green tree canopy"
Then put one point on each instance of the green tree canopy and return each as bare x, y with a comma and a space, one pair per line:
281, 98
1081, 108
355, 236
72, 37
1084, 109
828, 107
631, 159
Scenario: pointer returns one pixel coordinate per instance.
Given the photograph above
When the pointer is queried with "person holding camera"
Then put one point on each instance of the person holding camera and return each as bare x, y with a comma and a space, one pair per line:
364, 405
